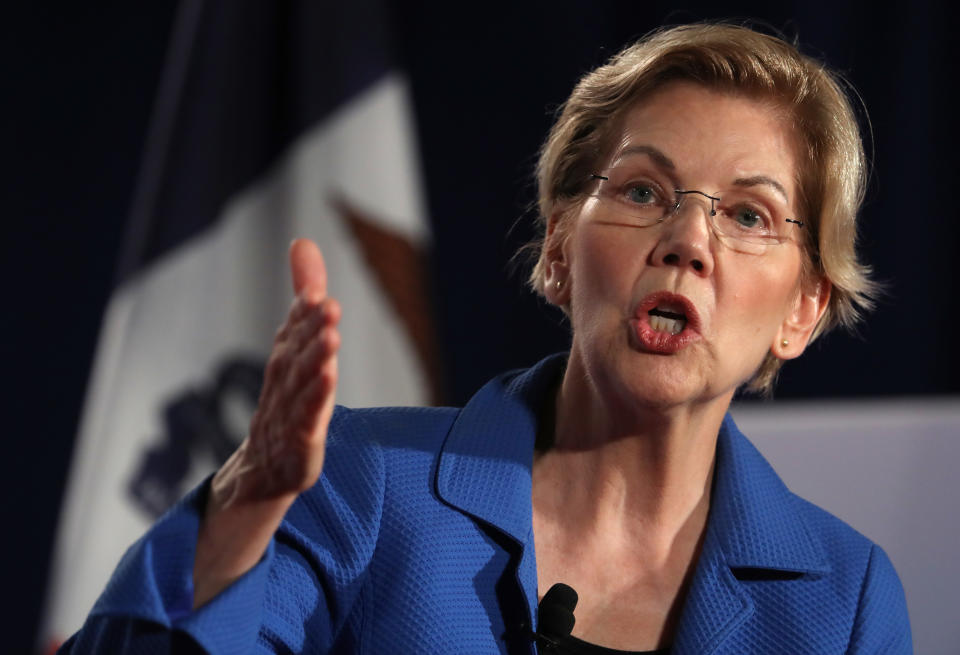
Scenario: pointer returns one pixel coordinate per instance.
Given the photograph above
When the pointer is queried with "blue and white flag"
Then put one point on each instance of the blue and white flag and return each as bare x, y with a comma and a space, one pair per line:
274, 120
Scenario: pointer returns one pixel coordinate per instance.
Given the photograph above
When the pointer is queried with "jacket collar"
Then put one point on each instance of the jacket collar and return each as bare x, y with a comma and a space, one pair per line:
485, 468
487, 458
754, 523
486, 461
754, 517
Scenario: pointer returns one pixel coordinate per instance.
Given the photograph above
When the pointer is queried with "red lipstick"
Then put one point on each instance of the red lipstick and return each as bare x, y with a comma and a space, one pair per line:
678, 310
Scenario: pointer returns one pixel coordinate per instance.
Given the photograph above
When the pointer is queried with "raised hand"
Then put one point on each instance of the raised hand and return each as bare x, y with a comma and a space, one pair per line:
284, 451
283, 454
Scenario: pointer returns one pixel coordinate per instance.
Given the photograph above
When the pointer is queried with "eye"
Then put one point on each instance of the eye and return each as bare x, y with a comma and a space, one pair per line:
637, 194
642, 194
749, 218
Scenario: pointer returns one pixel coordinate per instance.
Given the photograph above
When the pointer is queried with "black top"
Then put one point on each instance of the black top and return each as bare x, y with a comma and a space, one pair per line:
570, 645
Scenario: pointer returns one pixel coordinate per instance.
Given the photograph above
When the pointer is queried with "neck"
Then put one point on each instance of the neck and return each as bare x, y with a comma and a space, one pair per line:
643, 469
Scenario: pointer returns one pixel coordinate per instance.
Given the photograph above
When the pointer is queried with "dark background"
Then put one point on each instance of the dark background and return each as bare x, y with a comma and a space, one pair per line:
79, 82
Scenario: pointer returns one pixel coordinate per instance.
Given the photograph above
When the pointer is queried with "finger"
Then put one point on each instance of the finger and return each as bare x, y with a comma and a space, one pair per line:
309, 411
308, 270
310, 417
298, 316
331, 312
326, 397
312, 359
329, 377
311, 326
301, 346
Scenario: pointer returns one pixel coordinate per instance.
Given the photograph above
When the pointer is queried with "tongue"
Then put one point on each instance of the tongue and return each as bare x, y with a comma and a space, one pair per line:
664, 313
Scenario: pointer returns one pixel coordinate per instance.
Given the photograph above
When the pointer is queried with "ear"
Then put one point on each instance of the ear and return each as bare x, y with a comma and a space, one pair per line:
556, 279
808, 308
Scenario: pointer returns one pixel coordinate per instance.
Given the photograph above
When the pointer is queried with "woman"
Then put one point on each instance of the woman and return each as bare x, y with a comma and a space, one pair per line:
698, 196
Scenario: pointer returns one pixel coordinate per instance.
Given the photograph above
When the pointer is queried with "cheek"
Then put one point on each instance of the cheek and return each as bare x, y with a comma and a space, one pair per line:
595, 282
604, 261
758, 302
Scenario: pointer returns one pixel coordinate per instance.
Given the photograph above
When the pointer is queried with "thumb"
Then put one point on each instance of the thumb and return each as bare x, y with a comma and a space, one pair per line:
308, 270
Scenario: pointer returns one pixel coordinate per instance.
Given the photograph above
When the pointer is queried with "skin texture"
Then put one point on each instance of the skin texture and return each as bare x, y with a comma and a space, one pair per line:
621, 500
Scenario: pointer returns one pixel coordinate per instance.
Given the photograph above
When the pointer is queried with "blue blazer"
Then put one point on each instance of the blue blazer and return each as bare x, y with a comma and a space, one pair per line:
418, 539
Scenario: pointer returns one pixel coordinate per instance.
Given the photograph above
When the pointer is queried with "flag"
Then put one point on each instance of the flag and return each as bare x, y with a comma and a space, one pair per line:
273, 120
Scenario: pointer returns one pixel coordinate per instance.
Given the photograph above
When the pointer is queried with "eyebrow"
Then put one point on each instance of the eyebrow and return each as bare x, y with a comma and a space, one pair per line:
657, 156
764, 180
654, 154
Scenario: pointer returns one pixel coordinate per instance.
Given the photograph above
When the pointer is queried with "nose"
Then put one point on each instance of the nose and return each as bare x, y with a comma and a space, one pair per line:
686, 237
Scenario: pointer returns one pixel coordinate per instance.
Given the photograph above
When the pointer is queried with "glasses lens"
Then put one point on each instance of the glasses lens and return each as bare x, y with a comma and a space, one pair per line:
640, 199
743, 219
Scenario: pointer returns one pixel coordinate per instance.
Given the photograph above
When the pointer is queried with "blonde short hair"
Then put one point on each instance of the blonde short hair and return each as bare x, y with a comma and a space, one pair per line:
732, 59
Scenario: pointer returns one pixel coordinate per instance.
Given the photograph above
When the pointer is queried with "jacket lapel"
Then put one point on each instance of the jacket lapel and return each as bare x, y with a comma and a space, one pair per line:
486, 461
754, 523
716, 606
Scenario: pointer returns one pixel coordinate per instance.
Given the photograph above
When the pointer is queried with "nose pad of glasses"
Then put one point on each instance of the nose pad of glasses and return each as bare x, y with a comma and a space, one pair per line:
683, 193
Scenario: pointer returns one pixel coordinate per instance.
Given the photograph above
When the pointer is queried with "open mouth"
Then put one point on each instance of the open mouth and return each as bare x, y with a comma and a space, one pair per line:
665, 323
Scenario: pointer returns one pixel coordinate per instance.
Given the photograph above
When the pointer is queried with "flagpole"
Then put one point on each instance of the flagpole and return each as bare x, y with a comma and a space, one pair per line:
162, 123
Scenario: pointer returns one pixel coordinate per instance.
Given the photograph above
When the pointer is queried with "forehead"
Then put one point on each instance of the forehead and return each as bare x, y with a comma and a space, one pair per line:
708, 134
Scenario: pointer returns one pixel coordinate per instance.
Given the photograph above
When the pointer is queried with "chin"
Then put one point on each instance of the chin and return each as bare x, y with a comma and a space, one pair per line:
630, 381
659, 382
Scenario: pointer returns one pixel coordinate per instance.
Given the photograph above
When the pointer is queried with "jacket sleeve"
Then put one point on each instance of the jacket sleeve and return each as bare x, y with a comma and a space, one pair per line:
882, 625
305, 594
